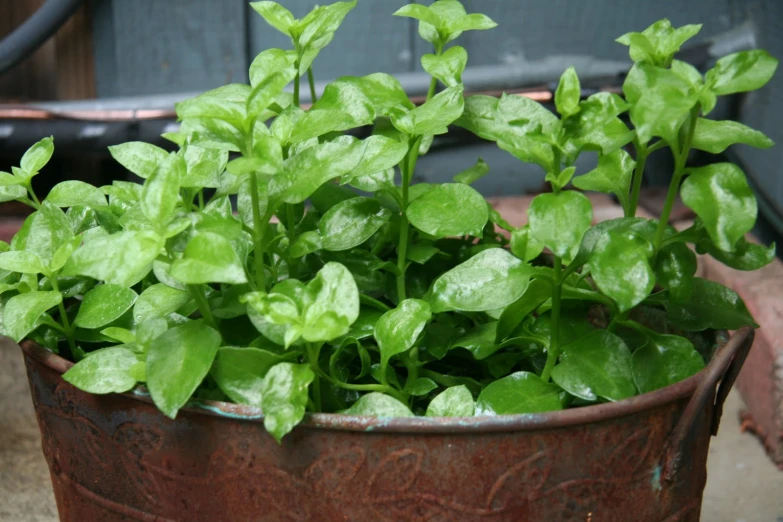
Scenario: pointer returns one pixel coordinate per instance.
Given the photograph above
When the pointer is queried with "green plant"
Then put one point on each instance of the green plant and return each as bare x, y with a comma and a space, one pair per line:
407, 299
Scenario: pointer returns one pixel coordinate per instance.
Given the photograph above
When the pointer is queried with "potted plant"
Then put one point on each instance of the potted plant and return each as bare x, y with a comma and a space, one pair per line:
384, 349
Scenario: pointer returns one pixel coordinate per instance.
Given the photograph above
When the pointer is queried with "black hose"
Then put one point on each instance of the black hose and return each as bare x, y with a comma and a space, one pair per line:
34, 31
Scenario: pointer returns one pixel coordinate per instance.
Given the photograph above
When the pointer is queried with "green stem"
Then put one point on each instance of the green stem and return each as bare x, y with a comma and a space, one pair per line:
201, 199
408, 166
554, 347
67, 328
383, 388
311, 81
313, 353
197, 291
641, 160
680, 159
33, 197
433, 86
296, 85
259, 230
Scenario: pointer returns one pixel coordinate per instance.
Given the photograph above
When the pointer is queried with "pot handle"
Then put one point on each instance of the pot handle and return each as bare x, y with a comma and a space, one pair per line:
724, 368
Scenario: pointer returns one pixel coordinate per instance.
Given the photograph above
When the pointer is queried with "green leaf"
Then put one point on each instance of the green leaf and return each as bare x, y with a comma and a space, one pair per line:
130, 257
420, 387
284, 397
204, 167
306, 243
456, 401
397, 330
12, 193
160, 193
177, 362
660, 101
664, 360
559, 221
209, 258
227, 104
37, 156
421, 252
446, 67
275, 15
489, 280
612, 175
378, 155
269, 62
383, 90
479, 341
419, 12
473, 174
245, 200
22, 261
450, 209
240, 373
644, 228
103, 304
74, 193
46, 231
520, 392
659, 42
524, 245
23, 311
716, 136
313, 167
741, 72
568, 93
324, 23
376, 404
620, 266
434, 116
8, 180
675, 266
107, 370
537, 292
138, 157
331, 304
712, 305
596, 366
351, 222
719, 194
745, 256
121, 335
347, 99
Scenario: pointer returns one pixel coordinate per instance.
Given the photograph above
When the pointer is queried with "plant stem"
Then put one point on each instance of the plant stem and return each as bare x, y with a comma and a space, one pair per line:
383, 388
201, 199
311, 81
407, 167
67, 328
259, 230
433, 86
554, 347
680, 158
197, 291
641, 160
296, 85
33, 197
313, 352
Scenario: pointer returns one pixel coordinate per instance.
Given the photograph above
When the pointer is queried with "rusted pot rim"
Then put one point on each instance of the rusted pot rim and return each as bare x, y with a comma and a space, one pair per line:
483, 424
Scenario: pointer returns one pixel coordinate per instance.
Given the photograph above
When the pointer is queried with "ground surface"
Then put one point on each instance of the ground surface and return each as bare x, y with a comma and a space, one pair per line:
743, 485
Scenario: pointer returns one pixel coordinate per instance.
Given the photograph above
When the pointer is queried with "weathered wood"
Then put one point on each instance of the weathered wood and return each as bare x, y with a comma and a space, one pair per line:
74, 56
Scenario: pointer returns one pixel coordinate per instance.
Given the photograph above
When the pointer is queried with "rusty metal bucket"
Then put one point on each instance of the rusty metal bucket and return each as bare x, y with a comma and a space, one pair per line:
115, 457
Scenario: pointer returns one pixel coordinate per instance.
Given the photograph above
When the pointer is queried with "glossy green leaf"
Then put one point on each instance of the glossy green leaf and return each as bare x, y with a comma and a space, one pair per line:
479, 341
138, 157
659, 42
620, 266
376, 404
741, 72
434, 116
596, 366
450, 209
160, 193
122, 259
446, 67
383, 90
245, 200
660, 101
23, 311
473, 174
37, 156
675, 266
284, 397
559, 221
269, 62
306, 243
331, 304
275, 15
226, 104
73, 193
568, 93
240, 373
107, 370
716, 136
537, 292
520, 392
351, 223
177, 362
456, 401
524, 245
378, 155
159, 300
489, 280
641, 227
711, 305
419, 12
721, 197
664, 360
612, 175
22, 261
44, 232
103, 304
313, 167
397, 330
12, 193
745, 256
324, 21
209, 258
266, 92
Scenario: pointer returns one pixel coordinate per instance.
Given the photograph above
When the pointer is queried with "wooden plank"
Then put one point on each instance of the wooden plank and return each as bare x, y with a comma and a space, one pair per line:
370, 40
74, 56
153, 46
